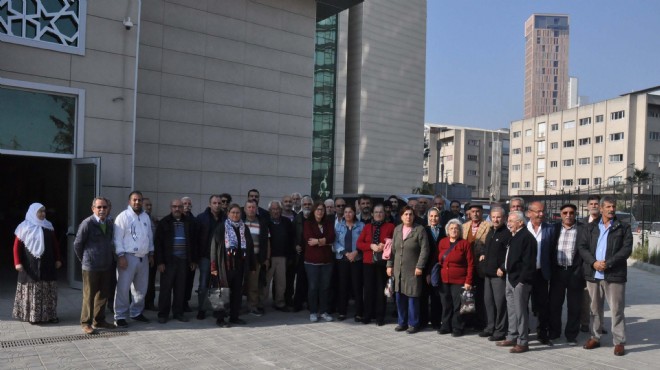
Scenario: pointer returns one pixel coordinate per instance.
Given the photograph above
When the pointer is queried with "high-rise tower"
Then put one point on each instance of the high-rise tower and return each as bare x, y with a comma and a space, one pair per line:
546, 64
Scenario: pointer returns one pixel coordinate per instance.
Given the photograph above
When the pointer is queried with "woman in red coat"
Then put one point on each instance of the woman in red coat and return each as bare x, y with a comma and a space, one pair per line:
371, 242
455, 257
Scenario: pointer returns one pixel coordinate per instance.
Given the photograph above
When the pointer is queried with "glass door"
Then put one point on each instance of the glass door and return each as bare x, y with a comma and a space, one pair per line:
85, 185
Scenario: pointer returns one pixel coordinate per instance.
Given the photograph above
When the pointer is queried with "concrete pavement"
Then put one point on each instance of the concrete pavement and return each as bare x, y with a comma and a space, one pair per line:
289, 340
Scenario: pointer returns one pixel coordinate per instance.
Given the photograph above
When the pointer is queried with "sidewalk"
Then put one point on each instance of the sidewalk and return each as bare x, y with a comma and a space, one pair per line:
289, 340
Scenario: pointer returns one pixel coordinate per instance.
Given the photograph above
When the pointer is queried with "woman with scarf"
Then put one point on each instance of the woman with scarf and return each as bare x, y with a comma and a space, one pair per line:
349, 263
318, 237
434, 233
232, 251
36, 258
410, 252
372, 242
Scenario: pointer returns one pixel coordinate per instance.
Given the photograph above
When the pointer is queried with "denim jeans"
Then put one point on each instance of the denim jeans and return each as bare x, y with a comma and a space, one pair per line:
318, 283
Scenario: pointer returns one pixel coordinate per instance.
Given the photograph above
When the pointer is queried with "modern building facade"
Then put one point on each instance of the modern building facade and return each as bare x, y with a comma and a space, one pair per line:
477, 158
588, 149
546, 64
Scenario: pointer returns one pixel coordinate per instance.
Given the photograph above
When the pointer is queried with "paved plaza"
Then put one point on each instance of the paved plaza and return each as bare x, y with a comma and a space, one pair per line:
289, 340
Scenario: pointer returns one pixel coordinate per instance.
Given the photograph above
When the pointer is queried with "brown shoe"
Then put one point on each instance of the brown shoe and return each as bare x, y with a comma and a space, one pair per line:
591, 344
87, 329
104, 325
619, 350
519, 349
506, 343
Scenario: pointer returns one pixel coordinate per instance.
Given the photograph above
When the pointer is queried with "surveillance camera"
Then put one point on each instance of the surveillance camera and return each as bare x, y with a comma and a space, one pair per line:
128, 24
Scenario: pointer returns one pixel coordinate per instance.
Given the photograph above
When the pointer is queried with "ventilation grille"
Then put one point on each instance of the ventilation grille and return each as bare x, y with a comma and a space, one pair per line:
60, 339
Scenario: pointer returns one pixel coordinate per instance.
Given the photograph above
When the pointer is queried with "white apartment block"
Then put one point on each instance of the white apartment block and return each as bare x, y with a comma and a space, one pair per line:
588, 148
477, 158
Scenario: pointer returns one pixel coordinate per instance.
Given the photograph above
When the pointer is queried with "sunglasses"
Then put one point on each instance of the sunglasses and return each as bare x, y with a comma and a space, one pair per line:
101, 207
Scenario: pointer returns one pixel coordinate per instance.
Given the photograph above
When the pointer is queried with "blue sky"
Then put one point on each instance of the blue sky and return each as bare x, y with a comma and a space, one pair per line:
476, 52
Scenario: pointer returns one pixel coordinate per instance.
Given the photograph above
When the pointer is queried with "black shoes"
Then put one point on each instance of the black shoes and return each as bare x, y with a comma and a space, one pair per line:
444, 331
457, 333
201, 315
237, 321
180, 318
162, 320
140, 318
221, 323
413, 329
498, 338
400, 328
121, 323
485, 334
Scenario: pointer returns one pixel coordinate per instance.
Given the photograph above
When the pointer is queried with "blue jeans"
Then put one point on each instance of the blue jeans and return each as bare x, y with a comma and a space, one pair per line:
203, 287
408, 310
318, 287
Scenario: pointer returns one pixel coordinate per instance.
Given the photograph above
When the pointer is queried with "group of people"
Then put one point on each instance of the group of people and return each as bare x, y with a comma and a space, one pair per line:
326, 253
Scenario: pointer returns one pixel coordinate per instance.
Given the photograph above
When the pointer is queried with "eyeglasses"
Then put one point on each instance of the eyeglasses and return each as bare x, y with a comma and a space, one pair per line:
101, 207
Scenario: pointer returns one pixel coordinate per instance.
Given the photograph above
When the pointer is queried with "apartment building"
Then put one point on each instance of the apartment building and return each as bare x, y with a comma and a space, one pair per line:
590, 148
477, 158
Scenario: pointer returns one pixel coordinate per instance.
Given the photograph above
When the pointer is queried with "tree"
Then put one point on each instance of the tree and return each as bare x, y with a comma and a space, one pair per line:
638, 178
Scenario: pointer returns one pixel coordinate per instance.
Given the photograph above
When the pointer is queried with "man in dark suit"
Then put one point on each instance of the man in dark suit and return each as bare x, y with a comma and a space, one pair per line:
520, 267
544, 234
567, 280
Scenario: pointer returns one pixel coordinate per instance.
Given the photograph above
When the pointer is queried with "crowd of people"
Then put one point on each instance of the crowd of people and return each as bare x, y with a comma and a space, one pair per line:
323, 254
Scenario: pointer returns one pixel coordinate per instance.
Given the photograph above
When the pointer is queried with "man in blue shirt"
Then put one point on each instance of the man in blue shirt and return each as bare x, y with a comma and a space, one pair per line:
605, 246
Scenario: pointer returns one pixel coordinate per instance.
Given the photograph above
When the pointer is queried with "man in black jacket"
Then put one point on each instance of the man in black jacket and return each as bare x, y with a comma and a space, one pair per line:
605, 246
207, 222
495, 281
281, 249
175, 251
520, 269
567, 278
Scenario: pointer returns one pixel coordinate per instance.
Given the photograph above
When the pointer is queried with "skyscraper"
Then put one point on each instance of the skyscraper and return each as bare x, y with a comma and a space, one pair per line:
546, 64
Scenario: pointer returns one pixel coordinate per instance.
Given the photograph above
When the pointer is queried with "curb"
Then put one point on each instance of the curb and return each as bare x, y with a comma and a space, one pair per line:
644, 266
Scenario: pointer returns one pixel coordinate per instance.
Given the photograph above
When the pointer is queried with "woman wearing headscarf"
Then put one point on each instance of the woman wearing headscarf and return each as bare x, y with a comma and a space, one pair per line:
232, 251
410, 252
36, 258
372, 242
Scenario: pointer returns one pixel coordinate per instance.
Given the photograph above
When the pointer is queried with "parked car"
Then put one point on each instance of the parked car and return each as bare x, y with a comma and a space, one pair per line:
628, 218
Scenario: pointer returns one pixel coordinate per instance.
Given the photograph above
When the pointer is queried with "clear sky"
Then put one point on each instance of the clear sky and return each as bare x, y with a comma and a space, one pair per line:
475, 54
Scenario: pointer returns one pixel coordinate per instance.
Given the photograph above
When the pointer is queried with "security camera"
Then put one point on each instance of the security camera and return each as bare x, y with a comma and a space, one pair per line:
128, 24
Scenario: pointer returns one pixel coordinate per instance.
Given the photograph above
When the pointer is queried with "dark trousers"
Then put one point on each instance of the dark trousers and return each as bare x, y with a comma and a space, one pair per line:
407, 309
150, 298
190, 281
565, 283
300, 295
235, 281
375, 278
172, 283
450, 296
477, 320
290, 281
318, 287
495, 305
349, 279
96, 288
434, 313
541, 303
112, 287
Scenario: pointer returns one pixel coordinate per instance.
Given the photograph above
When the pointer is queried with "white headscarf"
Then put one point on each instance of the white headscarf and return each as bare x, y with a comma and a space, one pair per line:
30, 233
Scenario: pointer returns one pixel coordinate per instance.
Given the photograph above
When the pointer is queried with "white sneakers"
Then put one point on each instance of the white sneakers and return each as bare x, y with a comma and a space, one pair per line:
325, 316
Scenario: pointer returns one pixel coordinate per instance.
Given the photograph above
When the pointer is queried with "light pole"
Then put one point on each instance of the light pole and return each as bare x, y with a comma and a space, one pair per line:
438, 170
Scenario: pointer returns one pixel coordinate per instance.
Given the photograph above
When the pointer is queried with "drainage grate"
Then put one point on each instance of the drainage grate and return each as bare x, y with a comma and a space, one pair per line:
60, 339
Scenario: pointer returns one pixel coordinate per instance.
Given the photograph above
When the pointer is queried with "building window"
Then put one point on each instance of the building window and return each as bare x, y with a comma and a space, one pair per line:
654, 157
598, 159
47, 24
569, 124
599, 118
569, 143
540, 165
585, 121
552, 183
541, 129
617, 115
528, 132
598, 139
616, 136
598, 180
527, 184
554, 164
583, 181
515, 151
472, 172
527, 166
584, 161
55, 120
515, 167
540, 148
567, 182
554, 127
488, 174
516, 134
654, 135
584, 141
515, 185
616, 158
471, 157
554, 145
540, 183
614, 180
528, 149
654, 114
568, 162
474, 142
449, 158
